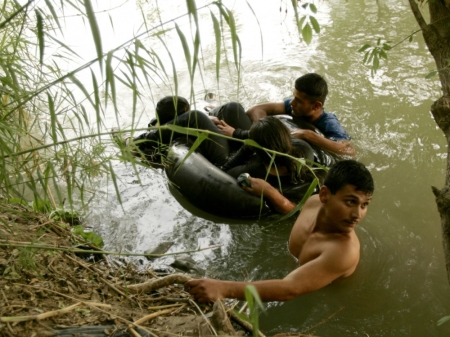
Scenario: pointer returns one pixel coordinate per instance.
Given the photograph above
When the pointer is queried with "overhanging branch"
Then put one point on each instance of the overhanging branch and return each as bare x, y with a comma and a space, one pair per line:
417, 14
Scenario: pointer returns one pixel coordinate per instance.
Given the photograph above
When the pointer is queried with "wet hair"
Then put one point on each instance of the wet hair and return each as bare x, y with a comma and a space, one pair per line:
170, 107
272, 134
349, 172
313, 86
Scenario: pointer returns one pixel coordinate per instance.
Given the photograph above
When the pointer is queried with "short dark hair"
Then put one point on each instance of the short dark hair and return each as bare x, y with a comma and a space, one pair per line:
313, 86
170, 107
349, 172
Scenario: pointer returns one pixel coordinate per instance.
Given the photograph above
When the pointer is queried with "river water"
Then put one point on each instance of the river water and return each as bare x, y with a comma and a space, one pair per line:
400, 286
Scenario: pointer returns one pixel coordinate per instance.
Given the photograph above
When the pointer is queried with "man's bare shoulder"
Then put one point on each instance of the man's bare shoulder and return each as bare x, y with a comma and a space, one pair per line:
342, 252
312, 202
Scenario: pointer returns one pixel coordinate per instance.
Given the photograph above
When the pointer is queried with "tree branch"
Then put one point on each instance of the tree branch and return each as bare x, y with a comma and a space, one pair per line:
417, 14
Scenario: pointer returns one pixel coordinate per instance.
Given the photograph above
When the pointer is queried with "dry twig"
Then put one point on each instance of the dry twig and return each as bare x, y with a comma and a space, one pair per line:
152, 285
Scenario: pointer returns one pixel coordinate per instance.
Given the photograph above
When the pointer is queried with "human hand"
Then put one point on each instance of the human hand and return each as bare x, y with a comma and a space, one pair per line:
204, 290
226, 129
214, 119
258, 186
299, 133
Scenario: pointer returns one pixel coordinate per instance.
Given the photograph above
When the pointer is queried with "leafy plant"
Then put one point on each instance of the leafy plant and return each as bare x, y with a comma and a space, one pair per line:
254, 303
373, 54
91, 237
307, 23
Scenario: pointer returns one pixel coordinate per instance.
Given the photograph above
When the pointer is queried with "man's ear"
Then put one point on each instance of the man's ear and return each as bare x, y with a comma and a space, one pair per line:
318, 105
324, 194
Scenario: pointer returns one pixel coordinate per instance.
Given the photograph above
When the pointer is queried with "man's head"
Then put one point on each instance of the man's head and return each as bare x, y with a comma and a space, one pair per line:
309, 96
169, 107
313, 86
349, 172
345, 194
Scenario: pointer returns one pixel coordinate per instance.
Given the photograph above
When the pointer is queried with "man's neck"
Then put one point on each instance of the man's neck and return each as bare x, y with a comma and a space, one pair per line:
324, 225
315, 116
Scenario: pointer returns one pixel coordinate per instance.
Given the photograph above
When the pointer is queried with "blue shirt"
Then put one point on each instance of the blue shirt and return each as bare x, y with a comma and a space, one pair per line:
327, 124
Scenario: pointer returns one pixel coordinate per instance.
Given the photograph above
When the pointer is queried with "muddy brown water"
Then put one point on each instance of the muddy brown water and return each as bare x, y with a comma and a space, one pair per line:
400, 287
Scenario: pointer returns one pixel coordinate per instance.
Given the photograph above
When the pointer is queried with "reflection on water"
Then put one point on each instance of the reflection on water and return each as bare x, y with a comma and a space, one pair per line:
399, 288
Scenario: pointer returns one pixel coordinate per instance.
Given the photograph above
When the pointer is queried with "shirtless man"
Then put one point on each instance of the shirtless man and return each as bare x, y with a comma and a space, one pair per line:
309, 93
322, 239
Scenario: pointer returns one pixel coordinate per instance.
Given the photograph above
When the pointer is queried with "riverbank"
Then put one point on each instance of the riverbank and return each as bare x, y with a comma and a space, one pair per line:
60, 291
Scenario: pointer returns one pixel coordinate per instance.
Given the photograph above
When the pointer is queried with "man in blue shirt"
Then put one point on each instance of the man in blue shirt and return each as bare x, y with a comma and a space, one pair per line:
310, 93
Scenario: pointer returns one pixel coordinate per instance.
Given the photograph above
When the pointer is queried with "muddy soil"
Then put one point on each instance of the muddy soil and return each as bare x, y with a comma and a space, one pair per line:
58, 291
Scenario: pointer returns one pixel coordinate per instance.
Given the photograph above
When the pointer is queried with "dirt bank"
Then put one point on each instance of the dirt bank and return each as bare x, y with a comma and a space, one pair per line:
57, 292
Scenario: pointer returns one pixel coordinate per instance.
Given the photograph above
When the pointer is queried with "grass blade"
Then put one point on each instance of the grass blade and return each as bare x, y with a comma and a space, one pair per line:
40, 35
218, 37
187, 53
308, 193
95, 30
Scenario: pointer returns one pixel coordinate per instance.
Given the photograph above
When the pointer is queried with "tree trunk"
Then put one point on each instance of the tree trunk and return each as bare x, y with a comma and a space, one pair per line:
437, 37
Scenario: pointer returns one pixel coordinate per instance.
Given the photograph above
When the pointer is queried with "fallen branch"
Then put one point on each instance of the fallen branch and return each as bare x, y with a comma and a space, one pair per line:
203, 315
221, 321
246, 325
77, 250
154, 284
47, 314
144, 319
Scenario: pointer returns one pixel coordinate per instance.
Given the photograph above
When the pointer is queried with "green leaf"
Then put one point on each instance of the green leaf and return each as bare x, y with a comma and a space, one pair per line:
201, 137
366, 55
299, 206
313, 8
386, 46
51, 107
363, 48
305, 5
17, 201
376, 62
218, 43
307, 33
235, 42
383, 54
241, 316
192, 9
55, 17
182, 130
431, 74
300, 23
110, 81
91, 237
410, 38
252, 290
41, 206
252, 297
251, 142
372, 53
443, 320
260, 31
63, 45
315, 24
187, 53
83, 89
94, 29
114, 179
378, 41
40, 35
